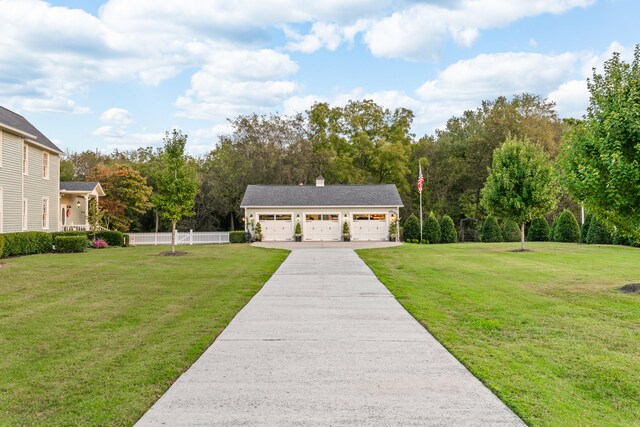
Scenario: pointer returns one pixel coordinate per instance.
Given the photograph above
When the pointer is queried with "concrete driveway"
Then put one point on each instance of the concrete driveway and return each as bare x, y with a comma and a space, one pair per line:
325, 343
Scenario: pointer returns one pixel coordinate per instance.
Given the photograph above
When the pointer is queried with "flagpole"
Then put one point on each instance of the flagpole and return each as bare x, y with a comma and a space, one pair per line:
420, 168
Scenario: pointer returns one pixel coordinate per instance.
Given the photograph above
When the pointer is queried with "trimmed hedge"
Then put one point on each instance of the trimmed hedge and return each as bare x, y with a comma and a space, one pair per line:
27, 243
112, 237
71, 244
599, 233
566, 228
491, 230
431, 229
448, 233
538, 230
584, 230
1, 245
237, 237
411, 228
510, 231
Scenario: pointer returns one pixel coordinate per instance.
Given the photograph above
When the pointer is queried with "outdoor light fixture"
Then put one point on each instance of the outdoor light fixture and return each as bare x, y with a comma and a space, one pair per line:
298, 217
78, 204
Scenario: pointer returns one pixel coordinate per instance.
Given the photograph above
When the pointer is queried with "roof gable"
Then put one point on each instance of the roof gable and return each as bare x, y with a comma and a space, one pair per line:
329, 195
17, 122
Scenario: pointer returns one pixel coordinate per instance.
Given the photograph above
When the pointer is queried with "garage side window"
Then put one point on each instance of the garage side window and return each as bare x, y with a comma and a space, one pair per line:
360, 217
313, 217
378, 217
283, 217
264, 217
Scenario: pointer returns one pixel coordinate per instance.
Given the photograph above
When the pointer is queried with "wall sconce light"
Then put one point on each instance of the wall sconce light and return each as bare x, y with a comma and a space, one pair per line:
298, 217
393, 217
251, 216
78, 204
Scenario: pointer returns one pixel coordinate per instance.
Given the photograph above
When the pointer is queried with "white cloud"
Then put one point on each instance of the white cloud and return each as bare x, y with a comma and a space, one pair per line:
239, 82
116, 116
571, 98
418, 31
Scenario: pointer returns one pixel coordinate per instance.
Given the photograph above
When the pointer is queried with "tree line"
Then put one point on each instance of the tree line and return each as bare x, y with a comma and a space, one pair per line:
365, 143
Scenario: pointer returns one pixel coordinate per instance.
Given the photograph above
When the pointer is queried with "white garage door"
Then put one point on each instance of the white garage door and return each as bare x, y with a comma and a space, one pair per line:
369, 226
276, 227
322, 227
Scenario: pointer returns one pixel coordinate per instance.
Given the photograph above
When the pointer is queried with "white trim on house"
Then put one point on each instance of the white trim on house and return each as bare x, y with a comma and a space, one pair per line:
42, 146
25, 214
25, 158
1, 210
45, 165
17, 131
45, 213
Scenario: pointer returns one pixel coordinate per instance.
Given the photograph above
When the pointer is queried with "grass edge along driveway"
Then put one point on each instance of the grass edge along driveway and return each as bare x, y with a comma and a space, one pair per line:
96, 338
546, 330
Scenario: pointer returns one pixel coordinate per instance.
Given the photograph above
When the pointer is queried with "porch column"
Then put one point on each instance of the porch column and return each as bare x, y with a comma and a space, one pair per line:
86, 212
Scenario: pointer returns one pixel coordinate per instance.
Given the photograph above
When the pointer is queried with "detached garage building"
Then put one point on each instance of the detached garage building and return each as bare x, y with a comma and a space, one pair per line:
321, 210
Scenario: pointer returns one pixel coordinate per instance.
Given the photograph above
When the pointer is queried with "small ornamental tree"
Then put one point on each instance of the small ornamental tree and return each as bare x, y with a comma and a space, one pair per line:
599, 232
538, 230
448, 233
491, 230
346, 233
584, 230
431, 229
176, 183
258, 234
96, 216
411, 228
566, 228
510, 231
298, 231
520, 185
601, 157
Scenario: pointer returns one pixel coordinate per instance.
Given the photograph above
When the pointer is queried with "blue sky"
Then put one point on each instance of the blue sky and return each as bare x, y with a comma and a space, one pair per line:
119, 73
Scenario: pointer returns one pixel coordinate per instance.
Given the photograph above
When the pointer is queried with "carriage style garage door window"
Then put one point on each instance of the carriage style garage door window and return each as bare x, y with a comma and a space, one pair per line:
322, 227
369, 226
276, 227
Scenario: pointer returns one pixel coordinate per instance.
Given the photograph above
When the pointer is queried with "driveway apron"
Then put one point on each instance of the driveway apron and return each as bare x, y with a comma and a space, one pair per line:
324, 342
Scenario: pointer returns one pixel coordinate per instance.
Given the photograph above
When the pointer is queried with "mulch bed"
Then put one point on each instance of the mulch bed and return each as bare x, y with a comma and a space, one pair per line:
169, 253
632, 288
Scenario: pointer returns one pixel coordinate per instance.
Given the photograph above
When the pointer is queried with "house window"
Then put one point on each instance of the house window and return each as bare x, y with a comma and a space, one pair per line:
45, 213
25, 159
45, 165
25, 216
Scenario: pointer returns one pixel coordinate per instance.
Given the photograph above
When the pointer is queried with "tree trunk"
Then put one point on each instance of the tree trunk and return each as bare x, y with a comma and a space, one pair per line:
157, 220
522, 236
232, 227
173, 236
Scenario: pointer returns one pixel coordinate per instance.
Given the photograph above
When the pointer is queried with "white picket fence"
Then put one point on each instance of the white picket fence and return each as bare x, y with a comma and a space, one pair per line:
182, 238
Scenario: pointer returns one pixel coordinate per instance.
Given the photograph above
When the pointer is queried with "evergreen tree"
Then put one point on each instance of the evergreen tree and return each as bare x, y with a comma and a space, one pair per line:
510, 231
448, 233
538, 230
431, 229
566, 228
599, 232
411, 228
491, 230
584, 230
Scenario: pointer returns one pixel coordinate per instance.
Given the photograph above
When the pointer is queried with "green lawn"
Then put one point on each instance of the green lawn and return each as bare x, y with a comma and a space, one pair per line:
546, 330
96, 338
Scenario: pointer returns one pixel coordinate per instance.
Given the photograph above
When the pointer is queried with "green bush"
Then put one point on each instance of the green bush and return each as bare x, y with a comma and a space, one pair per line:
538, 230
431, 229
448, 233
237, 237
599, 233
112, 237
1, 245
566, 228
411, 228
126, 240
620, 239
27, 243
510, 231
584, 230
71, 244
491, 230
552, 229
56, 234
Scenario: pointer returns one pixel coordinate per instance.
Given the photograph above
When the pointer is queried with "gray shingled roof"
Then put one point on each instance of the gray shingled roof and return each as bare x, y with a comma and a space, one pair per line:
77, 186
15, 120
329, 195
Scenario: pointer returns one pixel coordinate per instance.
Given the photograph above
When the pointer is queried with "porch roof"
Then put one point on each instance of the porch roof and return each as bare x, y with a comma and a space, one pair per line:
81, 187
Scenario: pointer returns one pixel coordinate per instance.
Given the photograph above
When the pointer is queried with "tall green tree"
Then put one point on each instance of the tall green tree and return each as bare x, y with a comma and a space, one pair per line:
601, 157
176, 182
520, 185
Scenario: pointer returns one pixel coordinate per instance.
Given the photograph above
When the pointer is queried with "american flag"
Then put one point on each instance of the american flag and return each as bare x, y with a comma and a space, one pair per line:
420, 180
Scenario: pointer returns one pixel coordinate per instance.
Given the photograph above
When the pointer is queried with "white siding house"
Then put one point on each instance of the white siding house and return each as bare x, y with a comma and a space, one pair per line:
29, 176
321, 210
